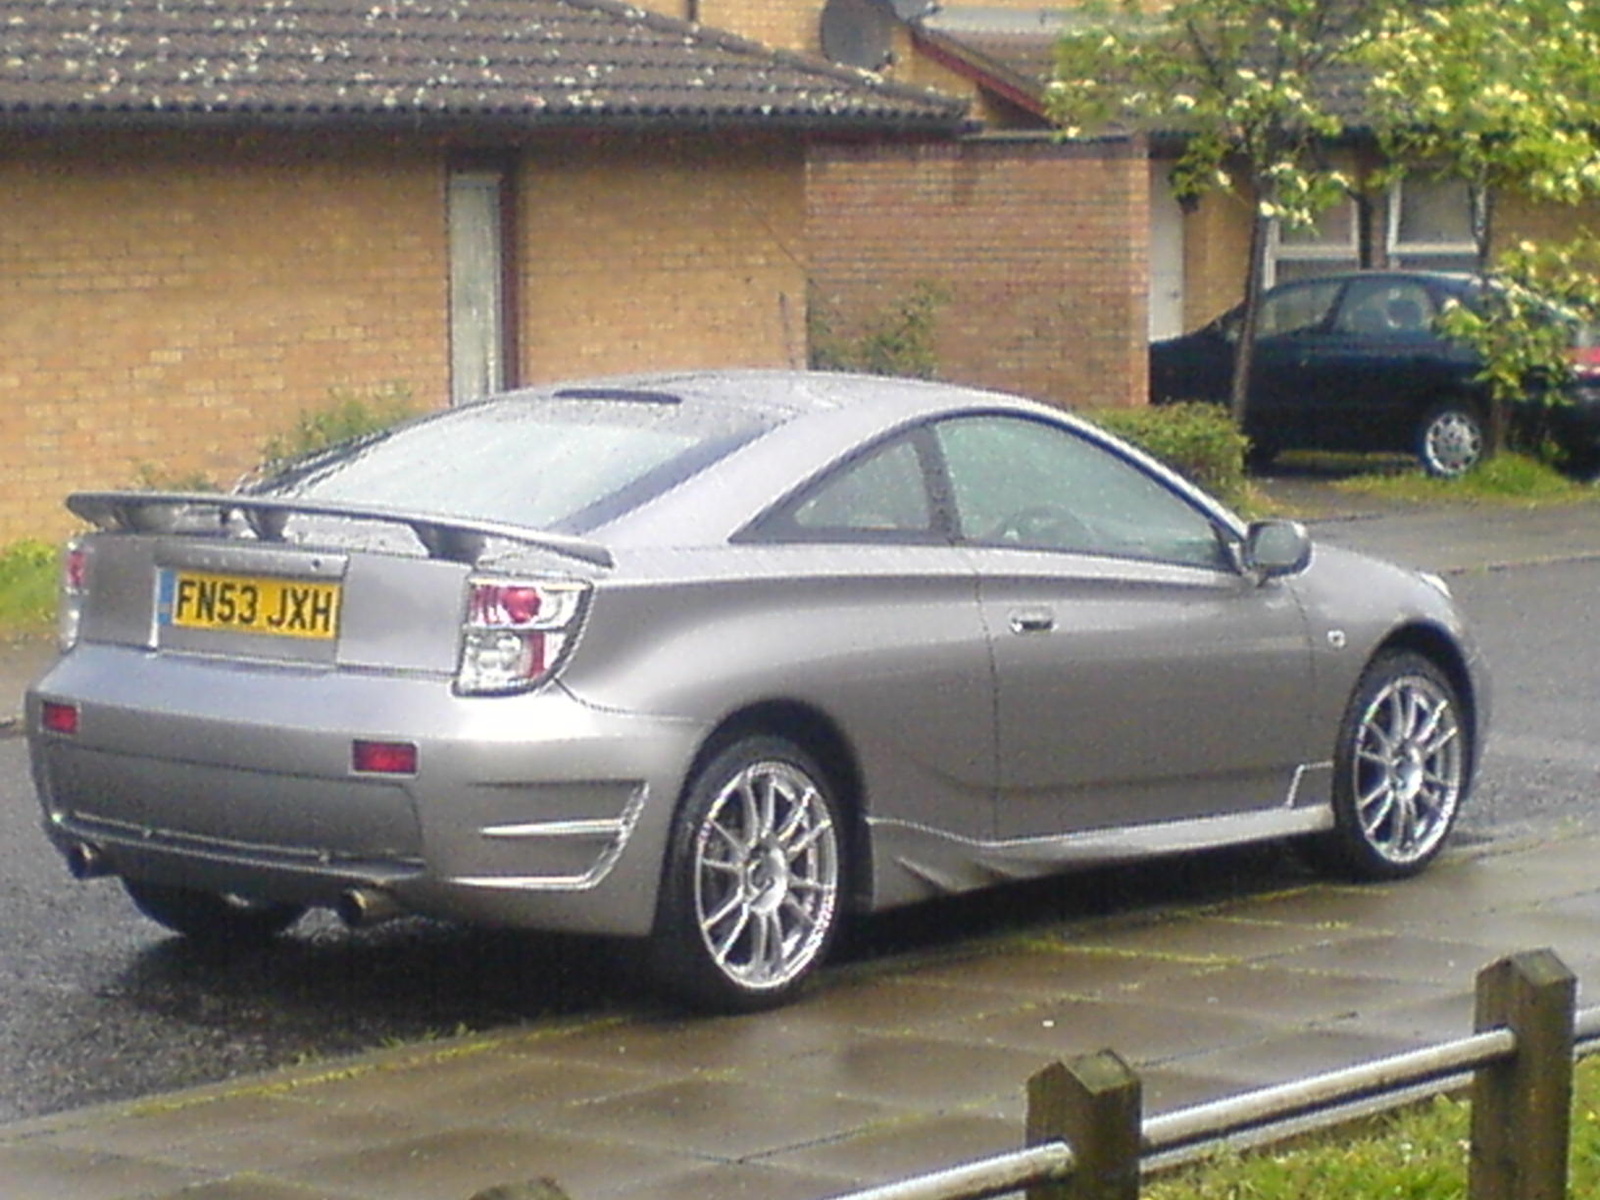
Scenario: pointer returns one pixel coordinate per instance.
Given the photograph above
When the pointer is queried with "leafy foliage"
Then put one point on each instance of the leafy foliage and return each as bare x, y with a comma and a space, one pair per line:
1198, 441
1239, 77
28, 571
1245, 81
347, 415
897, 341
1499, 93
153, 478
1545, 299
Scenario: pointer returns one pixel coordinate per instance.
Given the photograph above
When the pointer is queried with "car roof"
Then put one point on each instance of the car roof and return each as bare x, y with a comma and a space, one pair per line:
791, 392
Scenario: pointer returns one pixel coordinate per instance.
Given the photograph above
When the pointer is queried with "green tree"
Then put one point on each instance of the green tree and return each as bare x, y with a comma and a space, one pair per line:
1245, 81
1503, 95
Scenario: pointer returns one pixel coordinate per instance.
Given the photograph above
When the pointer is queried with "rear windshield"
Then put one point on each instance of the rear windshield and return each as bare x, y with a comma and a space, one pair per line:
566, 465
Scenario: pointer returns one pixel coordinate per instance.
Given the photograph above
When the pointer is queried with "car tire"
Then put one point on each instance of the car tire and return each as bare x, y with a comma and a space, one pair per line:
750, 900
1401, 769
1450, 440
209, 917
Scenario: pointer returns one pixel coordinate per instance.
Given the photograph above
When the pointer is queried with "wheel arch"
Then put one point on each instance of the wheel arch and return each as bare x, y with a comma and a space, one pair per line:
1438, 647
815, 732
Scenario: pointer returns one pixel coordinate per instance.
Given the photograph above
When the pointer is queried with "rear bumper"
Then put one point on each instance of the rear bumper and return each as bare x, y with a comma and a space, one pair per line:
533, 810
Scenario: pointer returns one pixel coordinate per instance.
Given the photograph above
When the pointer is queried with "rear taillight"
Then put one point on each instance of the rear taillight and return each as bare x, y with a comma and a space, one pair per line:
1584, 353
516, 632
74, 586
59, 718
1586, 362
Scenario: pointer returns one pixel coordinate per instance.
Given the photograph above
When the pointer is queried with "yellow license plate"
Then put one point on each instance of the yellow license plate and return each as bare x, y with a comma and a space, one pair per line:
249, 604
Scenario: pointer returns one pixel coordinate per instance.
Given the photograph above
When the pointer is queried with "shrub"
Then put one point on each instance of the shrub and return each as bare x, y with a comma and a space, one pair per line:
897, 341
347, 415
1198, 441
28, 571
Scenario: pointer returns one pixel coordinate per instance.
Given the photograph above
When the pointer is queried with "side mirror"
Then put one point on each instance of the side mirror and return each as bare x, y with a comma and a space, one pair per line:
1276, 548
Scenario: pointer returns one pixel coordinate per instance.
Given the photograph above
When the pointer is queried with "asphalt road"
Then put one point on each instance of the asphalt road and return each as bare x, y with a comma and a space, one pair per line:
98, 1004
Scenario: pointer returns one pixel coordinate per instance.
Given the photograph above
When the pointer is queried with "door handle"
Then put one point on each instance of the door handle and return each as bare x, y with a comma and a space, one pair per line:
1032, 620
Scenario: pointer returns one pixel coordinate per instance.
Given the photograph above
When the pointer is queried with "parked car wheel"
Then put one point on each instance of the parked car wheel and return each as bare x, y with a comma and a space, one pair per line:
1400, 768
1450, 440
750, 902
209, 917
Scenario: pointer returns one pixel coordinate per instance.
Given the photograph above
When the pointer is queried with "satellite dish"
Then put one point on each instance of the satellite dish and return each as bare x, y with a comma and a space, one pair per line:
858, 33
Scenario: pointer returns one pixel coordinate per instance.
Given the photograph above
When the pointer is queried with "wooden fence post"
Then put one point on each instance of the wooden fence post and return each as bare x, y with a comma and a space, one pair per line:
1522, 1109
1094, 1106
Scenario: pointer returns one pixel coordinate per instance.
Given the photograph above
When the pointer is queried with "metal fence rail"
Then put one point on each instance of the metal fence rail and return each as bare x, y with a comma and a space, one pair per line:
1087, 1140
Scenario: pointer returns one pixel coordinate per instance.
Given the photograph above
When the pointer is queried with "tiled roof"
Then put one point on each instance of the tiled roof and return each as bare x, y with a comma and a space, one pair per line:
531, 62
1014, 51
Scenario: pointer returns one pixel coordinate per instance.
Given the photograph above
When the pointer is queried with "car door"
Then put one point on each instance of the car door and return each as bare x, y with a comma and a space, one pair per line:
884, 610
1384, 365
1289, 377
1140, 676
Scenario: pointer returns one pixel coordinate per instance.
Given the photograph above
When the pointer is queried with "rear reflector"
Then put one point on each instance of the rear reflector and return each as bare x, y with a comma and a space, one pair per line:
59, 718
383, 758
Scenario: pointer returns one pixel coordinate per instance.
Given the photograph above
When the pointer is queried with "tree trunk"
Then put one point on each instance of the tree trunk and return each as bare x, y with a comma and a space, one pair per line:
1481, 199
1244, 354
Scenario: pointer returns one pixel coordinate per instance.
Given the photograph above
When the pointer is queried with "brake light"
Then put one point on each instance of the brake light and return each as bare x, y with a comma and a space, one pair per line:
59, 718
1585, 361
516, 632
74, 586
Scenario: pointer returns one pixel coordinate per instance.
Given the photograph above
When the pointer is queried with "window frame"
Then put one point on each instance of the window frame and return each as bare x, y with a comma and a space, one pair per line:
778, 524
1420, 255
1225, 535
1330, 255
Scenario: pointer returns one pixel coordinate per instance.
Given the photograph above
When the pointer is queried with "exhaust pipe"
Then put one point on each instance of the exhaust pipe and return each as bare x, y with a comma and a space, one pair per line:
86, 862
360, 908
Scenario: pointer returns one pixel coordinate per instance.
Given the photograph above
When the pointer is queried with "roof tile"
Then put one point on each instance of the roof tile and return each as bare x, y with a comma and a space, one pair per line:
531, 61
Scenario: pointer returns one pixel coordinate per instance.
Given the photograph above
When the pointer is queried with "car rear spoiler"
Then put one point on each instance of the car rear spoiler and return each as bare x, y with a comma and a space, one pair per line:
457, 539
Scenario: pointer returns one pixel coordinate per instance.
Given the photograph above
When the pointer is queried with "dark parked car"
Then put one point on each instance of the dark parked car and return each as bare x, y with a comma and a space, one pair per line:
716, 658
1355, 362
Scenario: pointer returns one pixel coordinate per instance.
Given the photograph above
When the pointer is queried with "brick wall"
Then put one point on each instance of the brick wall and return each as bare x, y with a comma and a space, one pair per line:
662, 252
166, 306
1517, 218
1216, 255
1040, 248
786, 24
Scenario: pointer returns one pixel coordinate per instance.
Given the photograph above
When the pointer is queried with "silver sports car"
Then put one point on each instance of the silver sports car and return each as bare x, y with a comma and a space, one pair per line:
716, 658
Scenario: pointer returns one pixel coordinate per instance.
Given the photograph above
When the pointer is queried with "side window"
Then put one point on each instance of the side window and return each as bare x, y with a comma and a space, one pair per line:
1032, 484
882, 495
1392, 309
1298, 309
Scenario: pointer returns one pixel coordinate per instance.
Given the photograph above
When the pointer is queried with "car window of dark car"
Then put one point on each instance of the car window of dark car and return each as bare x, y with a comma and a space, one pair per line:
1387, 309
1299, 308
565, 465
1020, 482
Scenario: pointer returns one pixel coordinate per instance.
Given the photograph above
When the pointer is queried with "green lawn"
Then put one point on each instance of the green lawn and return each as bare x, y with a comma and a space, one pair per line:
1417, 1154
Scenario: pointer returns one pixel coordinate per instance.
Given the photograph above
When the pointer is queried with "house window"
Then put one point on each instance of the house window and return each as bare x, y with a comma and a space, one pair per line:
1331, 245
478, 341
1430, 225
